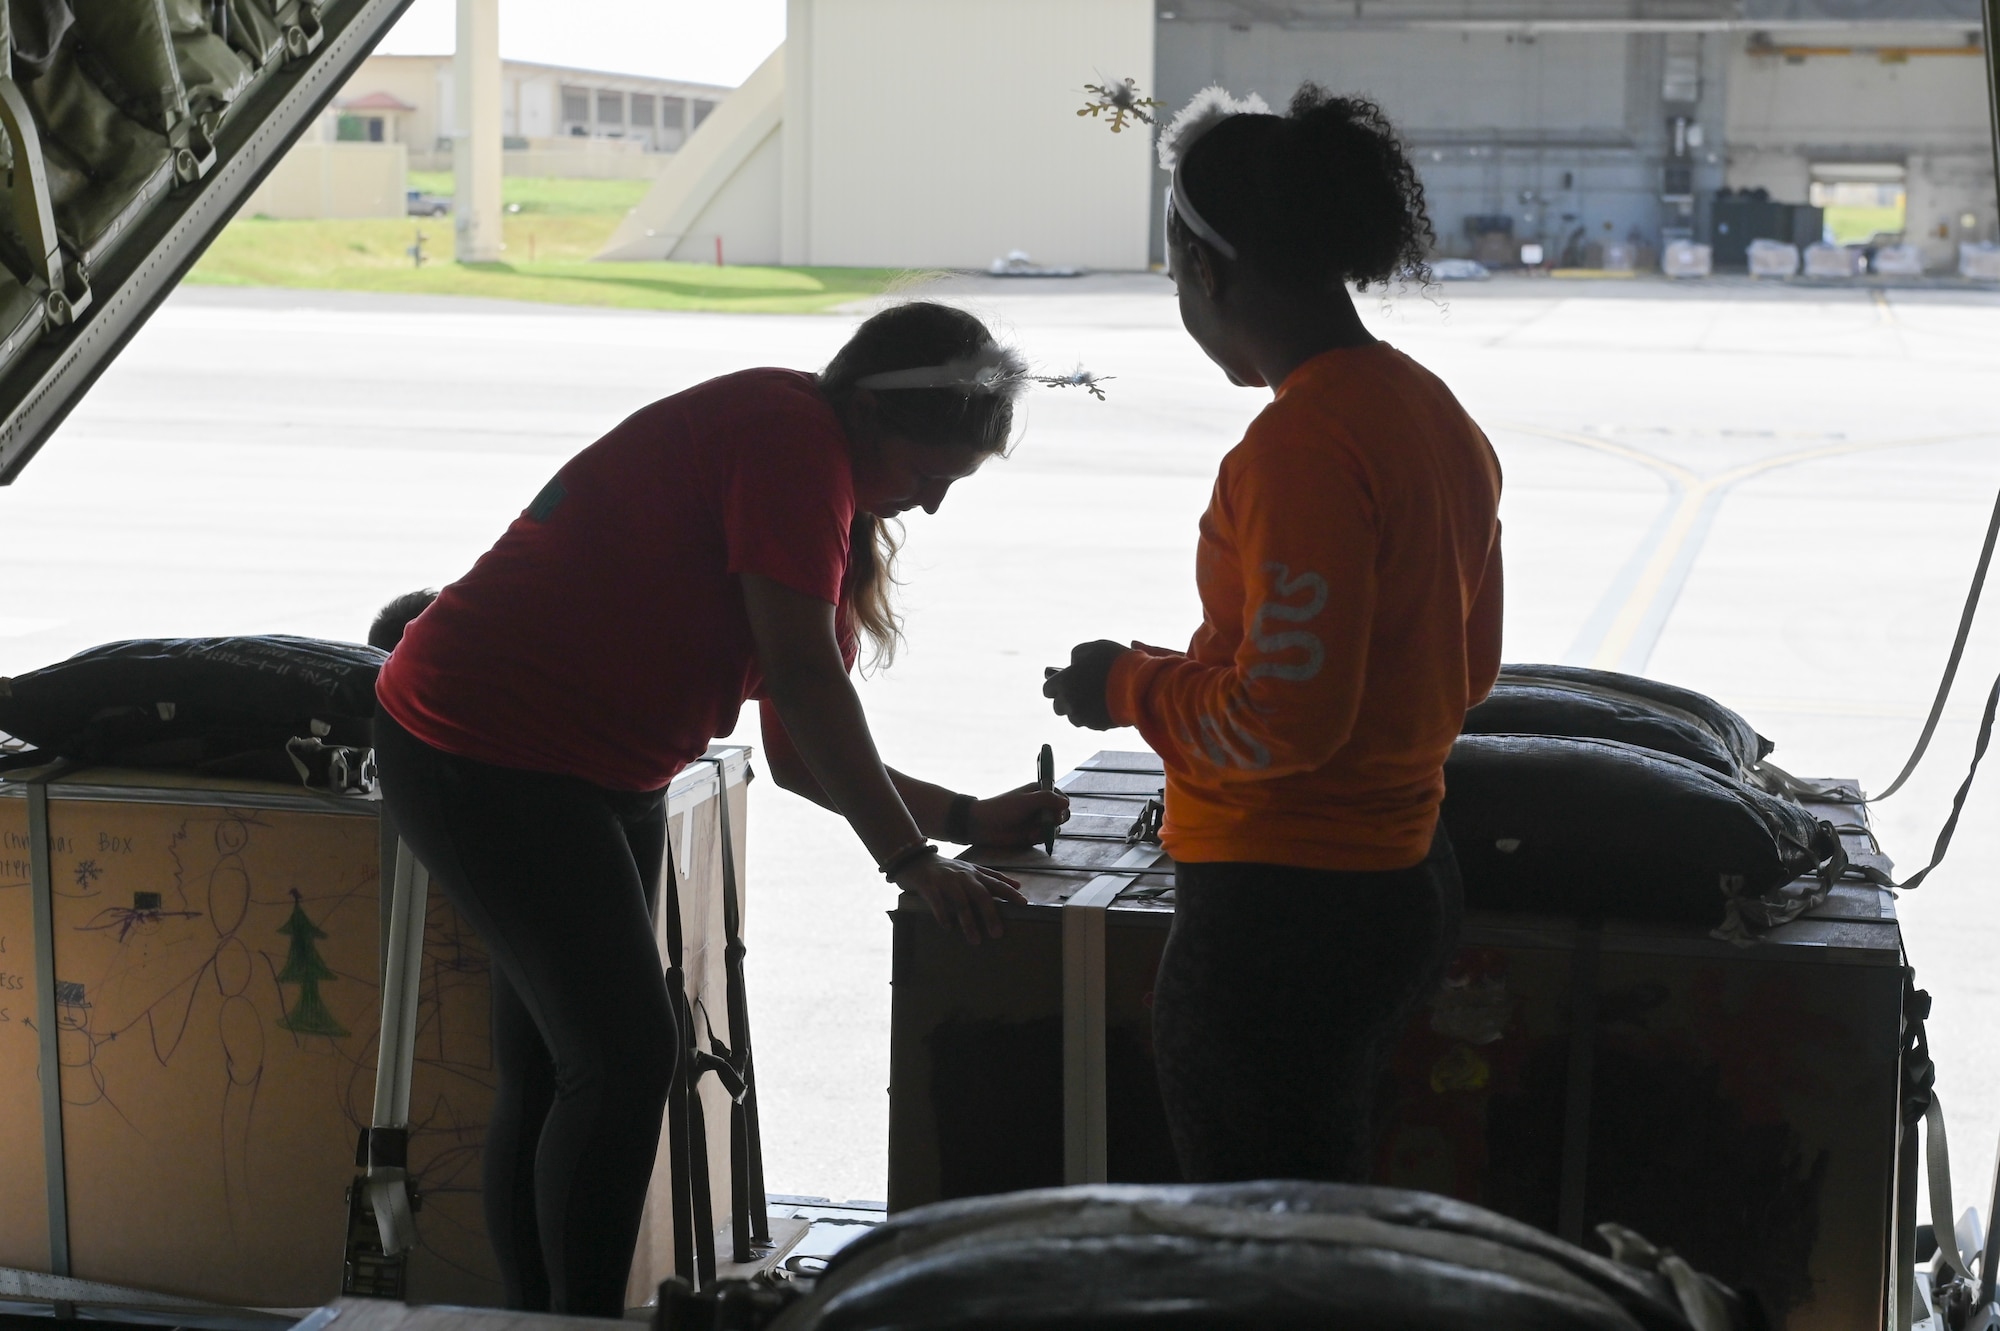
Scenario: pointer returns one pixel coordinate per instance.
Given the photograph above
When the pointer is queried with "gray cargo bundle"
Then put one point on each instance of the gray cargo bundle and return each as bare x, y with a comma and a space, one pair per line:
1602, 704
1250, 1255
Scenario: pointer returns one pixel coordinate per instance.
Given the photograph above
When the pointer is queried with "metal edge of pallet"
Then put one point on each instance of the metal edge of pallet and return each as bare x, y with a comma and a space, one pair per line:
694, 785
39, 390
39, 1288
302, 801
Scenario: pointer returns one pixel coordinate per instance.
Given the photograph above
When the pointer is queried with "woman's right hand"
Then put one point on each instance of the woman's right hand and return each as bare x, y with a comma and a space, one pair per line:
958, 891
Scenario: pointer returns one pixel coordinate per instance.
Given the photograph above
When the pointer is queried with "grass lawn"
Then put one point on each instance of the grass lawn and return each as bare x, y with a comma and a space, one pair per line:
1856, 226
537, 194
551, 231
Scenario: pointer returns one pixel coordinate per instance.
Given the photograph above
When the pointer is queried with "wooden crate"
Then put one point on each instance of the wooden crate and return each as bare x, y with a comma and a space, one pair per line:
1736, 1104
210, 1105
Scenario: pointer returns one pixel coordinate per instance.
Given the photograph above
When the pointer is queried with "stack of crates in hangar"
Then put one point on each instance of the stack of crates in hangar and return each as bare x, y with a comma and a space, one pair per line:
218, 950
1739, 1105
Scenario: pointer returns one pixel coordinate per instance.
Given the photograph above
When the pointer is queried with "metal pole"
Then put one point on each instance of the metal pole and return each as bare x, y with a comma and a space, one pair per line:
1990, 16
475, 141
48, 1024
1990, 13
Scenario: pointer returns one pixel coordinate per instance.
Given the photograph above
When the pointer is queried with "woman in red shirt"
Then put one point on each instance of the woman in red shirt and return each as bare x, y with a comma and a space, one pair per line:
721, 544
1349, 569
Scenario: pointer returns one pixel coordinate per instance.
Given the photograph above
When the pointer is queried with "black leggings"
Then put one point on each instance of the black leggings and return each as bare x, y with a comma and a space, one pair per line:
1278, 996
559, 877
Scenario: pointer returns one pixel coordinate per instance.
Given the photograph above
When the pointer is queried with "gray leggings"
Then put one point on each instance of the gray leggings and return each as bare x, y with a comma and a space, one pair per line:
1279, 994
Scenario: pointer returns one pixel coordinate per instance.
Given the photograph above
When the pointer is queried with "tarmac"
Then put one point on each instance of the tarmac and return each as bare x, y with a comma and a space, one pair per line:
1772, 494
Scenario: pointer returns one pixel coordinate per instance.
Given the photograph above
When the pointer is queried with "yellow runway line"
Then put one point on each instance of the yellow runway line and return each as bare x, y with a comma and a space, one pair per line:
1698, 493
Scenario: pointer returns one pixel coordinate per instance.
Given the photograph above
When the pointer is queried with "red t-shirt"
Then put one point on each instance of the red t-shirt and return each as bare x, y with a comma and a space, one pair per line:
604, 636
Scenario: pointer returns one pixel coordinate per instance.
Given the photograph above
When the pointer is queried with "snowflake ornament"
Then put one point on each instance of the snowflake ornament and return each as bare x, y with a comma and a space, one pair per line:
1122, 100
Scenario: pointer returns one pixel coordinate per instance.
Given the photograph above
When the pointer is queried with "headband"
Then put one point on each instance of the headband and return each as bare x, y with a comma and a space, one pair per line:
1209, 108
991, 370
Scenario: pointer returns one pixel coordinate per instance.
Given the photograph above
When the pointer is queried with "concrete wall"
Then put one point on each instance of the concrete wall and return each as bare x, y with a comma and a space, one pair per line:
727, 181
744, 215
531, 106
321, 179
943, 133
570, 159
1928, 113
1559, 130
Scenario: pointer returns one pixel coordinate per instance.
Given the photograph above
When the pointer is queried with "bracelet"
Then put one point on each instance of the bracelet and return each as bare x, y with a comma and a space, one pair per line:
958, 820
905, 857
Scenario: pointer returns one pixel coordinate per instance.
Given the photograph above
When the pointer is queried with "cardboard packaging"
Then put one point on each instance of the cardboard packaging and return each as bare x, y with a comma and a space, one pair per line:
217, 948
1737, 1104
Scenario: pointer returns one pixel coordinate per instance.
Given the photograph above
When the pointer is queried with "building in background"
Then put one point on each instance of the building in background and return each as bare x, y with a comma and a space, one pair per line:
556, 121
354, 161
912, 133
397, 114
1576, 123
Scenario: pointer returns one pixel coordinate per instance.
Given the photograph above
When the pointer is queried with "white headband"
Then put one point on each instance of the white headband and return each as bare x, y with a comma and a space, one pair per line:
990, 370
1208, 108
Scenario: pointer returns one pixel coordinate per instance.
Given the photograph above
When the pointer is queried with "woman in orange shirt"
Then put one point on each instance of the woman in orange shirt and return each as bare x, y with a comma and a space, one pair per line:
1349, 570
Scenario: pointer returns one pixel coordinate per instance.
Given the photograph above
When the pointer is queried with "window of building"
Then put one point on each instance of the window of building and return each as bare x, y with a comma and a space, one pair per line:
610, 108
673, 113
576, 106
359, 129
701, 110
642, 110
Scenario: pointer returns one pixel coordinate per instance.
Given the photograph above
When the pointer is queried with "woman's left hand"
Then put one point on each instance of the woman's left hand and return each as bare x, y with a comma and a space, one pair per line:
1019, 817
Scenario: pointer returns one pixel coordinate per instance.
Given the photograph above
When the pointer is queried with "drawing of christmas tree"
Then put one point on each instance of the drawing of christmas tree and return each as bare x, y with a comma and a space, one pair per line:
303, 967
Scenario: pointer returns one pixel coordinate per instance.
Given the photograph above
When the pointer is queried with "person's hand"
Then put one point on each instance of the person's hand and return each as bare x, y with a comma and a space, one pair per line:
1019, 817
958, 891
1078, 691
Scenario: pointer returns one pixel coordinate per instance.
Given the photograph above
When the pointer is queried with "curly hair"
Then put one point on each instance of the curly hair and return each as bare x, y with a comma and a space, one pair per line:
1324, 194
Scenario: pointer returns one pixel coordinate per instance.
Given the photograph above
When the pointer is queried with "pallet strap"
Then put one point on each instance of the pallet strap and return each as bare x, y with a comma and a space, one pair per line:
1085, 1152
730, 1064
1920, 1101
750, 1220
1937, 1167
1965, 619
687, 1135
1950, 827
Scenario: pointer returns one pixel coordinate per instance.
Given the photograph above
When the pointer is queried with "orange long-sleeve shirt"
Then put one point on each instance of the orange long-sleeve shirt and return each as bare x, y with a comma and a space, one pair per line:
1349, 568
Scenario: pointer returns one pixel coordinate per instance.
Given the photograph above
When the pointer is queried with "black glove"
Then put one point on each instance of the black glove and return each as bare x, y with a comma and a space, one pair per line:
1079, 691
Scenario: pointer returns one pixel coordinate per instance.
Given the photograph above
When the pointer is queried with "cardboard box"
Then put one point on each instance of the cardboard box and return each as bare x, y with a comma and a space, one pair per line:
212, 1090
1736, 1104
